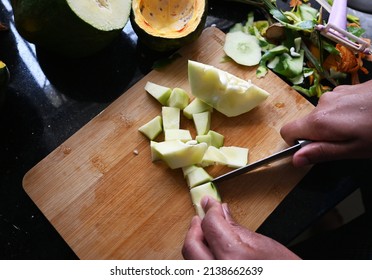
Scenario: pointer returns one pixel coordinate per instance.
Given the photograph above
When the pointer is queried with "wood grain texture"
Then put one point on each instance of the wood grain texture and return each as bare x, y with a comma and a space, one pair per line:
108, 202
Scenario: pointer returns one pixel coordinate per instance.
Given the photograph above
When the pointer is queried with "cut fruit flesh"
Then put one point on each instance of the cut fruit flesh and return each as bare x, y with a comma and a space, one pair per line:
152, 128
155, 156
197, 193
179, 154
159, 92
177, 134
223, 91
187, 169
167, 19
196, 106
235, 156
213, 156
168, 25
179, 150
197, 177
204, 139
217, 139
171, 117
202, 122
178, 98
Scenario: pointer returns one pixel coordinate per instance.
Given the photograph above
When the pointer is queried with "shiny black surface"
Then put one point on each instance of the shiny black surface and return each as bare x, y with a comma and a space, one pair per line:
49, 98
361, 5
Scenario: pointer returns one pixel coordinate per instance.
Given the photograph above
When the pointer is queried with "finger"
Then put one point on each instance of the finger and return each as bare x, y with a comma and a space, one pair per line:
227, 213
209, 202
320, 152
194, 247
297, 130
245, 234
345, 88
218, 228
312, 126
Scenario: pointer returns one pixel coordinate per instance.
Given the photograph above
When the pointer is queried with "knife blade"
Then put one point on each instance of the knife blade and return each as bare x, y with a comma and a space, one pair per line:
274, 157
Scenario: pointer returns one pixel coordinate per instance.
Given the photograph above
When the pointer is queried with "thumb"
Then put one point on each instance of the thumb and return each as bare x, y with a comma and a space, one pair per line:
227, 213
222, 209
319, 152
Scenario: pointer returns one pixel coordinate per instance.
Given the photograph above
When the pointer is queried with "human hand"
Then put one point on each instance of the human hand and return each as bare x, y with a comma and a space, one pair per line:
218, 236
340, 126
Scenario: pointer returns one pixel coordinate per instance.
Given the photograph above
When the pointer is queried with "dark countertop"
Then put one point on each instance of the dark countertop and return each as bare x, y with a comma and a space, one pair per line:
50, 98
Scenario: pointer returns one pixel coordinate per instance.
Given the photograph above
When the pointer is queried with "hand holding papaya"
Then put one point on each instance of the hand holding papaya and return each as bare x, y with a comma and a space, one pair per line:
340, 126
218, 236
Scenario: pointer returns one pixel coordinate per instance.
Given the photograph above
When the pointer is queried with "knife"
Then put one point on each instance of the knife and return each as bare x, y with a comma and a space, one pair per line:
279, 155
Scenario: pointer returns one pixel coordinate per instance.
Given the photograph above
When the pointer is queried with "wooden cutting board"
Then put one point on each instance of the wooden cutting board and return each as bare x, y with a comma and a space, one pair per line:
106, 198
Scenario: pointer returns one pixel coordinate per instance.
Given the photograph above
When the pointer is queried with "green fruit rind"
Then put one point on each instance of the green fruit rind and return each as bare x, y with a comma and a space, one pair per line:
71, 28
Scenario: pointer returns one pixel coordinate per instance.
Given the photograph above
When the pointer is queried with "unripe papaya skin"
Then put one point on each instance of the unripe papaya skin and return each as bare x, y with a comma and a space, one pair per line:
54, 26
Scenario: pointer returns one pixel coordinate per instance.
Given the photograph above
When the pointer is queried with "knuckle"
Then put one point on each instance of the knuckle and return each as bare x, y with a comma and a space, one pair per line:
318, 120
325, 97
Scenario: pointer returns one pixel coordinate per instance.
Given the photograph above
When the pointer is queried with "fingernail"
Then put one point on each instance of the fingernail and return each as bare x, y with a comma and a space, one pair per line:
194, 220
204, 201
226, 209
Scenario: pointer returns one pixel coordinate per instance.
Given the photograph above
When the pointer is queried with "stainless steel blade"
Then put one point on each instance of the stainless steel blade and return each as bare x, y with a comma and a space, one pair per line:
274, 157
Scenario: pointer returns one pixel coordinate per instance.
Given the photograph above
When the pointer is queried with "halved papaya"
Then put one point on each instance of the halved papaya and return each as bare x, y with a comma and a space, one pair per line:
165, 25
70, 27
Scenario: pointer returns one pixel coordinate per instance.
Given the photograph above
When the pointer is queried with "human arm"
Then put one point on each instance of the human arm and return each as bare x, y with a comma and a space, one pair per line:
340, 126
218, 236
